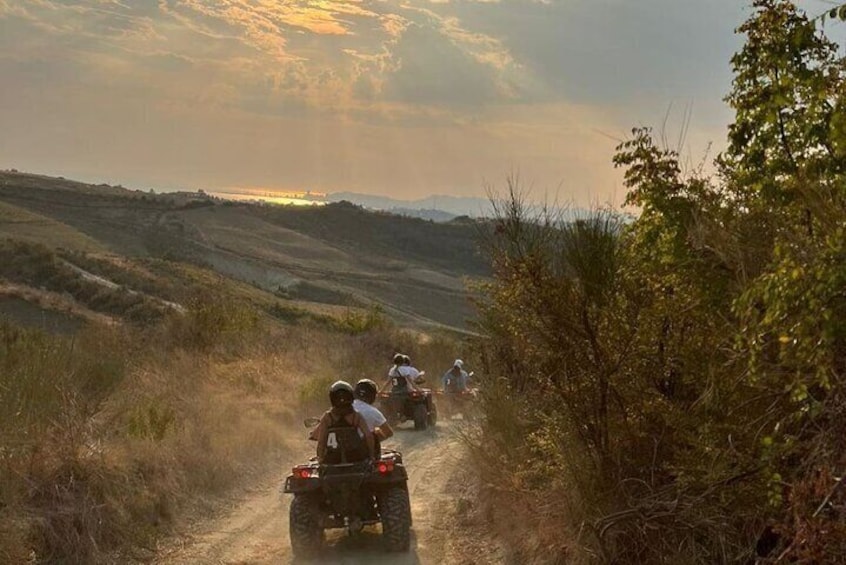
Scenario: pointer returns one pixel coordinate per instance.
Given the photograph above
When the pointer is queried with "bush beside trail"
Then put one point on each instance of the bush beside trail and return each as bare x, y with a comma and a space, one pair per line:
672, 389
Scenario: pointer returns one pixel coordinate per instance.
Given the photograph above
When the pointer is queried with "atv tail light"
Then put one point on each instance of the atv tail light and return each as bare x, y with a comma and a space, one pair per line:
385, 467
302, 472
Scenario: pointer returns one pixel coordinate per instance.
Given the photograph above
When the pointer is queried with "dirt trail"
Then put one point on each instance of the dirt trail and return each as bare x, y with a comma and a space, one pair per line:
256, 530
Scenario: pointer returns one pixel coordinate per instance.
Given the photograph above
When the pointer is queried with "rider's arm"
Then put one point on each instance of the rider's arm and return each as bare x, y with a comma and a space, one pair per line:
322, 433
391, 374
368, 435
383, 431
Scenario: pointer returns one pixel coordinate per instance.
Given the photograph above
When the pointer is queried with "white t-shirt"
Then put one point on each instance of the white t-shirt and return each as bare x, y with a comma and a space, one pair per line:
410, 374
405, 371
372, 416
409, 371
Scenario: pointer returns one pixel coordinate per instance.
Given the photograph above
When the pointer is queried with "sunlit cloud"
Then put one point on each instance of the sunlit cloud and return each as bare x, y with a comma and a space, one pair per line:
331, 55
373, 95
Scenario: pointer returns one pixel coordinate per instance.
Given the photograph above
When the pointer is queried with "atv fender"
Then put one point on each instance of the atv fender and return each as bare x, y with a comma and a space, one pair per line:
296, 485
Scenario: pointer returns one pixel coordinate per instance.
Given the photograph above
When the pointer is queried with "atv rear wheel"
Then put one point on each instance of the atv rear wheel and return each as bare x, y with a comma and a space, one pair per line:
421, 417
433, 416
305, 527
395, 510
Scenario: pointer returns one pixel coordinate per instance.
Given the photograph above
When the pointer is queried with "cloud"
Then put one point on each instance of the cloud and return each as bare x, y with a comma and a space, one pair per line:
431, 71
364, 94
355, 57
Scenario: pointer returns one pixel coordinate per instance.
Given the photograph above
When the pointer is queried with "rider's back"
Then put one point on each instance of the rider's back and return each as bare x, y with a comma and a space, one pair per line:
400, 376
344, 443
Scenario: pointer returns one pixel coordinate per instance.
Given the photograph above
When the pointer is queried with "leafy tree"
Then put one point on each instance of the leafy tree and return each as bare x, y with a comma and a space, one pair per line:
787, 83
685, 374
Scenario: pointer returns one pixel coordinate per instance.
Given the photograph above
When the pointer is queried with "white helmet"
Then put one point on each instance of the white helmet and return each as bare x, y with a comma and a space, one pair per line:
458, 363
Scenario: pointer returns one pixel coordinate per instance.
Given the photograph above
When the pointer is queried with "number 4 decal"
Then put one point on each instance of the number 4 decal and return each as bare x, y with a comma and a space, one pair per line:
332, 441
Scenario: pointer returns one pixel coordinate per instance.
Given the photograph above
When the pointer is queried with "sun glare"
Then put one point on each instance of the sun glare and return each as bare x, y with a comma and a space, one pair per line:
270, 196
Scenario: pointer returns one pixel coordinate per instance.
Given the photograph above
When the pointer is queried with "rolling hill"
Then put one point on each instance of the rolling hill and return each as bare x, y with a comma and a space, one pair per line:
152, 247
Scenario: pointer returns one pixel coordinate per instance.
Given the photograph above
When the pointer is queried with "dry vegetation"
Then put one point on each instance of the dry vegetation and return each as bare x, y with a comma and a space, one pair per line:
112, 436
22, 224
338, 256
672, 389
181, 384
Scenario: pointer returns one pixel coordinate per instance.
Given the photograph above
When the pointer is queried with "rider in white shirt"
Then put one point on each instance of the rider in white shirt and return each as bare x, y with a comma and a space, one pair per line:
403, 370
365, 396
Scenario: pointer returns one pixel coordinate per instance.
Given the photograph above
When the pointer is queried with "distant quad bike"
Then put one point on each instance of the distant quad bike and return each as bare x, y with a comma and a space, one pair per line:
459, 401
401, 404
464, 402
349, 496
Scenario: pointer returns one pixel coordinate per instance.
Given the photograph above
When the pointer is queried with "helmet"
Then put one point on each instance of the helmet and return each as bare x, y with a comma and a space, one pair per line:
341, 394
365, 389
399, 358
406, 360
458, 363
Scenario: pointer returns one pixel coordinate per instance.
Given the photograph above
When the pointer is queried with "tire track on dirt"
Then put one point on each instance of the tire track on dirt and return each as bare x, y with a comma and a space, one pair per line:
255, 530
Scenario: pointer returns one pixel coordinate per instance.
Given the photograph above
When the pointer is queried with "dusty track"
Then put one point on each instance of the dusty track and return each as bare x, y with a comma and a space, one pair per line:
256, 530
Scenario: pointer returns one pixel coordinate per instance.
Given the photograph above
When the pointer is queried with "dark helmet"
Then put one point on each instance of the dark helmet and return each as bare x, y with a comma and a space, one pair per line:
406, 360
366, 390
341, 394
399, 358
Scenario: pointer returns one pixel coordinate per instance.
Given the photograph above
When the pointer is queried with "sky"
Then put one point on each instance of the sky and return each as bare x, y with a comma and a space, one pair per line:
402, 98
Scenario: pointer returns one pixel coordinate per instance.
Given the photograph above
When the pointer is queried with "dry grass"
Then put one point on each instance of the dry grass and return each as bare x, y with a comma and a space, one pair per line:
52, 301
114, 436
22, 224
109, 437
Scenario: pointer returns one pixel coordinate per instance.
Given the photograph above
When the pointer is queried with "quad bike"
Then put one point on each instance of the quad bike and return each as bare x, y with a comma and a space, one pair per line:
402, 405
464, 402
349, 496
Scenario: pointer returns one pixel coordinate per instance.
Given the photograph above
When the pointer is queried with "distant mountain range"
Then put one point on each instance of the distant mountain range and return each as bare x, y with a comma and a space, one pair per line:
439, 208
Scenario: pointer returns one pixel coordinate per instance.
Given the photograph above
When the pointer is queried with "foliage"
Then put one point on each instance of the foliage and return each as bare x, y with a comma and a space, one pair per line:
356, 322
678, 381
212, 319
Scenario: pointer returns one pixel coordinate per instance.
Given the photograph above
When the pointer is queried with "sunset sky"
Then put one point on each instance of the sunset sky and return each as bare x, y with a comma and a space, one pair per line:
403, 98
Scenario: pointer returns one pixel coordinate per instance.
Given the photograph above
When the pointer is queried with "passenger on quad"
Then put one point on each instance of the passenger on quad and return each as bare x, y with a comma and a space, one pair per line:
342, 434
365, 396
402, 375
455, 380
343, 488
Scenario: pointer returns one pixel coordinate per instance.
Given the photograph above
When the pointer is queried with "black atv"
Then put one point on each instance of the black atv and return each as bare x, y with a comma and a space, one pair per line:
349, 496
401, 404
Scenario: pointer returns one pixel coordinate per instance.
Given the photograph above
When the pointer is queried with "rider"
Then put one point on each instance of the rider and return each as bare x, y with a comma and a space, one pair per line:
455, 380
342, 434
402, 375
365, 396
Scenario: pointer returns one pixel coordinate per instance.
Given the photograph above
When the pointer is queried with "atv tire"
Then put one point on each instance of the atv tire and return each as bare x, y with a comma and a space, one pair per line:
395, 510
433, 417
421, 417
305, 527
